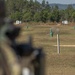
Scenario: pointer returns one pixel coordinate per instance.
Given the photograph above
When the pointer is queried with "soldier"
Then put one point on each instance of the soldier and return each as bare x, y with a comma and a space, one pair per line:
8, 57
31, 58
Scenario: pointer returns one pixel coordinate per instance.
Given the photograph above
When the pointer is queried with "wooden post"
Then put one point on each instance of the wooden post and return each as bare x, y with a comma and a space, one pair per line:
58, 44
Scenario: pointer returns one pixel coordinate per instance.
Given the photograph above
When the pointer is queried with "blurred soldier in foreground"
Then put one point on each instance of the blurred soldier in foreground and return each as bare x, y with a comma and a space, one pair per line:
8, 57
16, 58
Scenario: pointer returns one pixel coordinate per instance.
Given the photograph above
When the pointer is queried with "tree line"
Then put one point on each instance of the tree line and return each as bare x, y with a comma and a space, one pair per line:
30, 10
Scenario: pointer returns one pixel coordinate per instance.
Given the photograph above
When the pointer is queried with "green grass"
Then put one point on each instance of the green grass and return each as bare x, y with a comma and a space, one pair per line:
56, 64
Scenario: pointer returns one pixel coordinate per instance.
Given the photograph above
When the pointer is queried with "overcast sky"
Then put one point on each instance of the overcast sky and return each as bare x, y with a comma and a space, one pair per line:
60, 1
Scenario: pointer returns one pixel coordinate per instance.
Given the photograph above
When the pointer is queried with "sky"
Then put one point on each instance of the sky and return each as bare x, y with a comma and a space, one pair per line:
60, 1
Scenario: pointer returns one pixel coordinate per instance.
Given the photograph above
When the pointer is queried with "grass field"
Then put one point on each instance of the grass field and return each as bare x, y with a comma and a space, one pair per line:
56, 64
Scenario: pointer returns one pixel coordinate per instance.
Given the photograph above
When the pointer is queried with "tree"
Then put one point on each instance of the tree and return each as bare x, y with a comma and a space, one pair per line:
14, 7
73, 16
16, 16
37, 17
69, 12
37, 6
55, 16
48, 8
44, 15
43, 3
27, 17
10, 5
30, 10
19, 4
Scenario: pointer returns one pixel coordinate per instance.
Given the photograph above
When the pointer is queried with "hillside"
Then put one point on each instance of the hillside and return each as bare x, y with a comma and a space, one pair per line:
62, 6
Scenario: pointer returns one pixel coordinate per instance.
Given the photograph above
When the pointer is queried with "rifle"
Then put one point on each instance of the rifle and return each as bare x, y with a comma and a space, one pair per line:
17, 58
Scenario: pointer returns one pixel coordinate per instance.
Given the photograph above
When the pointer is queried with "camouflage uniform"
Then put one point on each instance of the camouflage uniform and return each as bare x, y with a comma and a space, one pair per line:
8, 57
